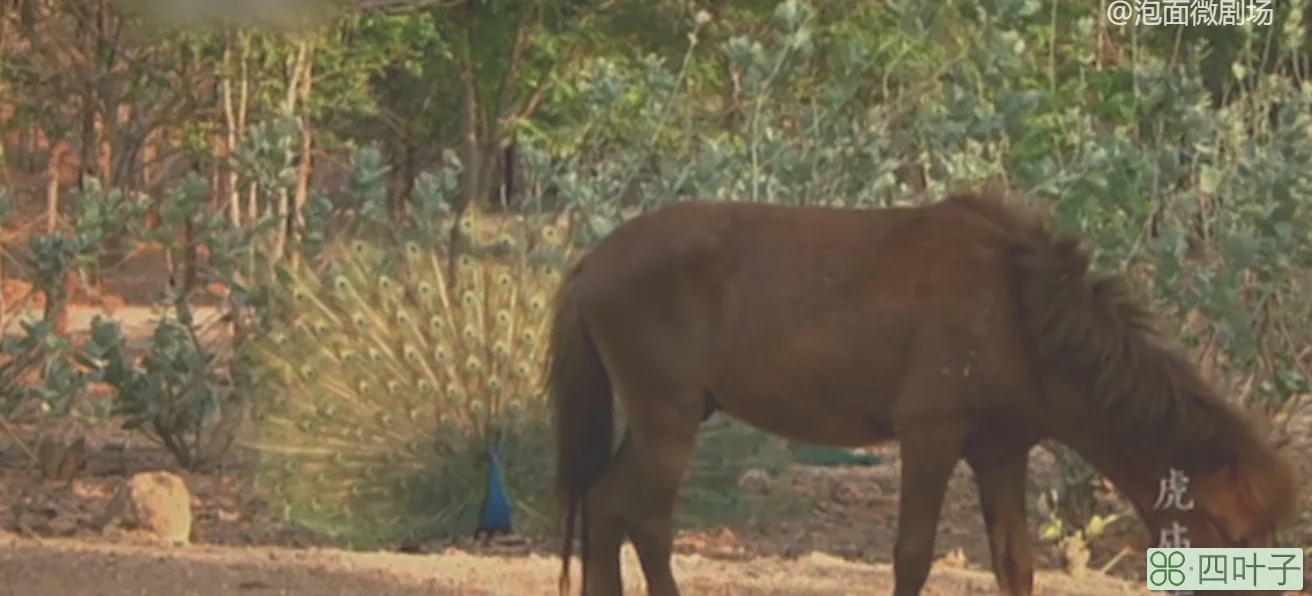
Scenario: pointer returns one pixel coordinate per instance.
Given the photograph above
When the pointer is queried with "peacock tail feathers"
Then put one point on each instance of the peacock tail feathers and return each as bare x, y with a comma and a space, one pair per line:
396, 367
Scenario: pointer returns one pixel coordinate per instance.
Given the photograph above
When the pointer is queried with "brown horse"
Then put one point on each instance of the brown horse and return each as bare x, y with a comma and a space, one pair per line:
963, 329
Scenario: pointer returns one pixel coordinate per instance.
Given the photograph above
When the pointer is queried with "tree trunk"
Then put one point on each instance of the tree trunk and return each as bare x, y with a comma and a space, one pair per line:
57, 297
234, 119
299, 67
305, 169
296, 219
52, 185
403, 167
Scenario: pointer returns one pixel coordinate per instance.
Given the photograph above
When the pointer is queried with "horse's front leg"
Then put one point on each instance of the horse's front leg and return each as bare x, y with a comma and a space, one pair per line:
1001, 481
929, 454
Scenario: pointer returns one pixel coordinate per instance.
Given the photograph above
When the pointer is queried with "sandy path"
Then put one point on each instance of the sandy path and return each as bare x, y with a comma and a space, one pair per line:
136, 321
64, 567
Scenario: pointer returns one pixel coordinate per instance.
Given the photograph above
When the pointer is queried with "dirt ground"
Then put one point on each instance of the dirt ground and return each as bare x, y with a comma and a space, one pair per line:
840, 546
840, 543
38, 568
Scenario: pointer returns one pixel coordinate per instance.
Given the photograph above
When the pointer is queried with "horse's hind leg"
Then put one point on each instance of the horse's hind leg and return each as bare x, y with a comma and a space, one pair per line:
1001, 481
636, 495
929, 455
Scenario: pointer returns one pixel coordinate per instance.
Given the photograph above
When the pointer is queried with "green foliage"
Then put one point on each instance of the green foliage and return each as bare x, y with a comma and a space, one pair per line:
187, 390
53, 260
177, 395
51, 357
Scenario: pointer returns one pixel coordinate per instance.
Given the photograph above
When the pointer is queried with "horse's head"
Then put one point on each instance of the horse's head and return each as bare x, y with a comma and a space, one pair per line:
1236, 505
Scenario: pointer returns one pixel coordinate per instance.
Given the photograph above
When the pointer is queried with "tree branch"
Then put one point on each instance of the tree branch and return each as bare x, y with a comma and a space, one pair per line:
517, 49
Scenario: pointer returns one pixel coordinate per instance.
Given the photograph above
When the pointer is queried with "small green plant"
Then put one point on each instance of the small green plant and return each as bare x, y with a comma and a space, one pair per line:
41, 369
188, 390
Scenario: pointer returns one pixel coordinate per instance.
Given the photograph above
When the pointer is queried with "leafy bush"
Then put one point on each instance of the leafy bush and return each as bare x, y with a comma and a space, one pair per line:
188, 392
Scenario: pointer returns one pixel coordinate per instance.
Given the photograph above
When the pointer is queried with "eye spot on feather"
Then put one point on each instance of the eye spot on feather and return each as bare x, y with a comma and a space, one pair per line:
505, 242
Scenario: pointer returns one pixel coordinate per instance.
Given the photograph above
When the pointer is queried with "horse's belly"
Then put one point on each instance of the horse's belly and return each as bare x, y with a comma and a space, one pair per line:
831, 421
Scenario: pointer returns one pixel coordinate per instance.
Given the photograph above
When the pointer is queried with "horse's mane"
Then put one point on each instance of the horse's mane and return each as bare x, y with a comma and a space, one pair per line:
1122, 356
1094, 330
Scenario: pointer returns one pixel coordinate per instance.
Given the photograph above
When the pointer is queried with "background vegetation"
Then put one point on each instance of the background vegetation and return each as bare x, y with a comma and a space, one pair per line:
462, 150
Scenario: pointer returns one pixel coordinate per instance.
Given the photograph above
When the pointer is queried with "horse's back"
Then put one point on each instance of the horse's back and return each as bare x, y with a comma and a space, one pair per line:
759, 253
695, 229
777, 310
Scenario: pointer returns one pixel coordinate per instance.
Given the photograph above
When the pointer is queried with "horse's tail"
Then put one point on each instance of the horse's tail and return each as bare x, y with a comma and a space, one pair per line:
1092, 330
580, 392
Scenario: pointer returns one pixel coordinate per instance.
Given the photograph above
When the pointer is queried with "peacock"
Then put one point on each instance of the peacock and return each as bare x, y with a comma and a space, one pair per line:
497, 514
404, 377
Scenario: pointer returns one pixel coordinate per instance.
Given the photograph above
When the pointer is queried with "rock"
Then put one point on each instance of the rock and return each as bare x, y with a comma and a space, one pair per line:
158, 503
